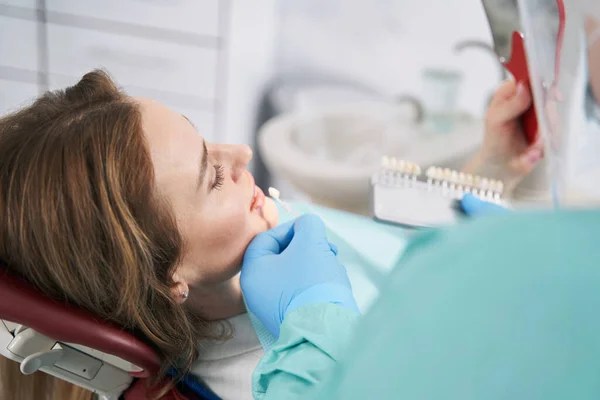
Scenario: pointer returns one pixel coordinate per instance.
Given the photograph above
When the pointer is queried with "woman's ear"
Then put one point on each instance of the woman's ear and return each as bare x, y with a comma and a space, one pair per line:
180, 289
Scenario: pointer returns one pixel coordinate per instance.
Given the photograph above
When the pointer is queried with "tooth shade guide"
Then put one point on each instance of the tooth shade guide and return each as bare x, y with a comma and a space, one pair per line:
448, 182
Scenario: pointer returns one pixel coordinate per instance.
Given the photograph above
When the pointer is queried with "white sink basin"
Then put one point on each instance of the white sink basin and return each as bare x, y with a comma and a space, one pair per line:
330, 155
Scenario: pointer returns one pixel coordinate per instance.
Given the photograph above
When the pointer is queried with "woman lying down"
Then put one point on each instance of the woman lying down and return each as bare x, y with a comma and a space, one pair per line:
119, 205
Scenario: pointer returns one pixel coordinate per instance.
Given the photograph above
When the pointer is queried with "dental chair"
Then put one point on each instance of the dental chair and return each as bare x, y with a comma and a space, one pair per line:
64, 341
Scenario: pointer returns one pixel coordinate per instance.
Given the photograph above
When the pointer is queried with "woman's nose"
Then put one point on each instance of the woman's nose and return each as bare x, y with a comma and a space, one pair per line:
234, 156
242, 155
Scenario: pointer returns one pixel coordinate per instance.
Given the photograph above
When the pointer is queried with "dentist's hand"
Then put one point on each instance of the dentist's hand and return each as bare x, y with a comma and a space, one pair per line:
473, 206
290, 266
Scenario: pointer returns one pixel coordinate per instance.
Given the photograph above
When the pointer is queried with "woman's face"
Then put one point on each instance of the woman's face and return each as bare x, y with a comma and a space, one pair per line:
218, 207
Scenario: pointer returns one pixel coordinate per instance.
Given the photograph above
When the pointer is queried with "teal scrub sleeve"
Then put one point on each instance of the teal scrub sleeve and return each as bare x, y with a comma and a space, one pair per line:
498, 308
311, 341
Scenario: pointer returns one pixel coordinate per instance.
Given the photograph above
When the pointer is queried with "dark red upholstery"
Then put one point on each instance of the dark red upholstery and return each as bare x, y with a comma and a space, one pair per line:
22, 304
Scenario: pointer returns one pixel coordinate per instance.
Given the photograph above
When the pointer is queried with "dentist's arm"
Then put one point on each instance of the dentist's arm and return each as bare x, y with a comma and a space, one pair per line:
294, 284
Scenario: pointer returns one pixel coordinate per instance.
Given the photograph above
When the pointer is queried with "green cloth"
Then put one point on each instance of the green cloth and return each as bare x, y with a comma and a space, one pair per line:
504, 307
311, 340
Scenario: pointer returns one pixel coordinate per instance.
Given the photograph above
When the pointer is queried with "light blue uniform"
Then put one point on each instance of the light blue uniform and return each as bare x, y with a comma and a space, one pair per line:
504, 307
368, 250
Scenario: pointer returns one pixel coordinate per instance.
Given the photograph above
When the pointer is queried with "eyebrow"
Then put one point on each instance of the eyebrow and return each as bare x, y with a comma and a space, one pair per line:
203, 165
188, 120
203, 159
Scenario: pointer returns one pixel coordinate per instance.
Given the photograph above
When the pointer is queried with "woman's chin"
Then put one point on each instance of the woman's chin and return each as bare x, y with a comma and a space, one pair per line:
270, 213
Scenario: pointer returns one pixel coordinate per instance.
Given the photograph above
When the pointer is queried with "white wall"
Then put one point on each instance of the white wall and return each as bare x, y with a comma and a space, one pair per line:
386, 43
382, 42
251, 34
170, 51
207, 59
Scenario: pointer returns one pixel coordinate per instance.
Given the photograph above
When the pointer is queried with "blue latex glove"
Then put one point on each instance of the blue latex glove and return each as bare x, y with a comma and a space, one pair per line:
473, 206
290, 266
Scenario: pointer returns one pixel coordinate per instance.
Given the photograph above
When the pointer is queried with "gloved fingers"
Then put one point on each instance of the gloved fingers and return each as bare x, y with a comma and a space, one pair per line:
270, 242
309, 229
333, 248
474, 206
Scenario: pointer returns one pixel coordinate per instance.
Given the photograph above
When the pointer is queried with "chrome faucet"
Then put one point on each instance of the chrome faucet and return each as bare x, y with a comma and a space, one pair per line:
488, 48
415, 102
480, 44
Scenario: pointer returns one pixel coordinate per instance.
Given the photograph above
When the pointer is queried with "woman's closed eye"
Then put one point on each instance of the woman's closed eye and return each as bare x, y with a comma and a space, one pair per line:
219, 176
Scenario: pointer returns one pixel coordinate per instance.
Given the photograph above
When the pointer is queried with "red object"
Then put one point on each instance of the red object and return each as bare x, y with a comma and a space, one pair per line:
517, 65
22, 304
560, 35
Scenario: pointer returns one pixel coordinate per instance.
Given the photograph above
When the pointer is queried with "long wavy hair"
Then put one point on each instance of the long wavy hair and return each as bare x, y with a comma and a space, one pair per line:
82, 220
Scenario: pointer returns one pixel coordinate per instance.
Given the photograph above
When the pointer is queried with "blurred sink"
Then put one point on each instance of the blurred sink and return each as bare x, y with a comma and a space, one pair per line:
450, 150
330, 154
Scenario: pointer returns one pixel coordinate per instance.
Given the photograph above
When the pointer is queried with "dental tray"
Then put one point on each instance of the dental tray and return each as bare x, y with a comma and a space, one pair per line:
401, 195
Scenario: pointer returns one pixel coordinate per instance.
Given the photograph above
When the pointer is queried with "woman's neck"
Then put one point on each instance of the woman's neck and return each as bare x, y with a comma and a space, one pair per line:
217, 302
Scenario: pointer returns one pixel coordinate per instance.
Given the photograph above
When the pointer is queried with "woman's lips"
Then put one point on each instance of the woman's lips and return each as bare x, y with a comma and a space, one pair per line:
259, 199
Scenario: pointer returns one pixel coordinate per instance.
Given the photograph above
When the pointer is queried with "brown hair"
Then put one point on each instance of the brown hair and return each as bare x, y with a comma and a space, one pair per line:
80, 217
38, 386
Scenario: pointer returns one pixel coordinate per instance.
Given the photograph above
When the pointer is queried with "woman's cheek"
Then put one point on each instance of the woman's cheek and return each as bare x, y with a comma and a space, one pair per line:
270, 213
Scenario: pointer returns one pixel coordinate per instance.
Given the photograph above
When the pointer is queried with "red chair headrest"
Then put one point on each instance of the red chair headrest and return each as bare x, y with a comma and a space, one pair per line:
22, 304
